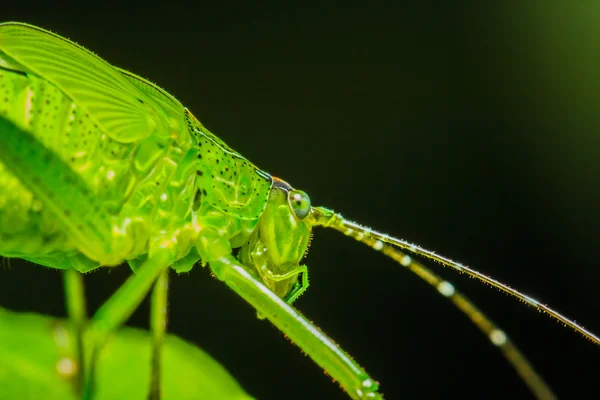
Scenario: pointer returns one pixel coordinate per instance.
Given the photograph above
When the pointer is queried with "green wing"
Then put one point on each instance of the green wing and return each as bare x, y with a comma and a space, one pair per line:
124, 112
151, 90
172, 110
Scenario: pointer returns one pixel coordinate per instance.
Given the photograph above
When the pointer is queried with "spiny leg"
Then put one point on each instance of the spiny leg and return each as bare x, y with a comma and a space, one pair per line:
76, 310
298, 288
117, 309
158, 325
294, 325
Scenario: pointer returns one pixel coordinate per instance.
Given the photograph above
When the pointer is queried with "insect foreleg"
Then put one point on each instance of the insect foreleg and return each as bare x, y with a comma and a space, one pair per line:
293, 324
298, 288
117, 309
72, 265
158, 325
76, 309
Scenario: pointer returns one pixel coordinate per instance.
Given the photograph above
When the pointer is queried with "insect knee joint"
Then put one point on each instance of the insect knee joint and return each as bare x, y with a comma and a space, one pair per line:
212, 245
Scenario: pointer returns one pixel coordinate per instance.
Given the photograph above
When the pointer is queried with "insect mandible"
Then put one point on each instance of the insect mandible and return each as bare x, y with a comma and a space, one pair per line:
99, 166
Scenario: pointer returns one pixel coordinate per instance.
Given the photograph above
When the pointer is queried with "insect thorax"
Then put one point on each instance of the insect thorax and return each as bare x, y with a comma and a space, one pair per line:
226, 179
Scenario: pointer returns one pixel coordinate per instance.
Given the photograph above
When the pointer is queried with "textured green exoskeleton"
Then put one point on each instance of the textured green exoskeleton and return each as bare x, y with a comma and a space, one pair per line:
99, 166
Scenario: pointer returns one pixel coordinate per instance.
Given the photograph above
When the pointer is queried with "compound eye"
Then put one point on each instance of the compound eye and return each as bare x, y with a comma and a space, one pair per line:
299, 202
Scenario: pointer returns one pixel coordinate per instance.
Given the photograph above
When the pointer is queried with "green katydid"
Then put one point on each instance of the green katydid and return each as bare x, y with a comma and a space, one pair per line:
100, 166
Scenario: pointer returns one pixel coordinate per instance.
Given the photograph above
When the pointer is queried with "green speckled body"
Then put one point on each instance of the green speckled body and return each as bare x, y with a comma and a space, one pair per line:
144, 162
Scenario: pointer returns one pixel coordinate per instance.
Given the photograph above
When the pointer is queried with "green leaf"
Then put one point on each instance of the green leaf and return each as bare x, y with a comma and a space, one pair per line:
36, 353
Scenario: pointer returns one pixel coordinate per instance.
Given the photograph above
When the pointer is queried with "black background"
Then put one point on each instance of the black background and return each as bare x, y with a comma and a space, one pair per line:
469, 129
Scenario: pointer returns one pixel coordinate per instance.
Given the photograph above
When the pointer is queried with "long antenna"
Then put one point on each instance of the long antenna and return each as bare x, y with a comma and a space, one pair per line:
495, 335
327, 218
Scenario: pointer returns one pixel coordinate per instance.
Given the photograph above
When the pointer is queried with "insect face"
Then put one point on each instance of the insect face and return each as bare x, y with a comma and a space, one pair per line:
280, 241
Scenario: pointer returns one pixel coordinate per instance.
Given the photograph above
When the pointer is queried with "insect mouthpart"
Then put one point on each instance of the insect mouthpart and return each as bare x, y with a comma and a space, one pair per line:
280, 241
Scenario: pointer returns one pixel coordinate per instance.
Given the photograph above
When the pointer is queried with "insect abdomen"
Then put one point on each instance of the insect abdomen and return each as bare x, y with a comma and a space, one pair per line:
35, 106
65, 128
126, 181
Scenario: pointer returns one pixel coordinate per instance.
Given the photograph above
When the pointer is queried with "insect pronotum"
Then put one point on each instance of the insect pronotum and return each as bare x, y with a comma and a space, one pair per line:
99, 166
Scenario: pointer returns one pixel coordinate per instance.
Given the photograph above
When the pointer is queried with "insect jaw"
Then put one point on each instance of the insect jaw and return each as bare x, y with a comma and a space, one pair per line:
279, 243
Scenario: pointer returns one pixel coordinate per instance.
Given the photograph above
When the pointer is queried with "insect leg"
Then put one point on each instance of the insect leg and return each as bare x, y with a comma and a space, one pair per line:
115, 311
61, 189
75, 300
76, 309
298, 288
296, 291
293, 324
158, 325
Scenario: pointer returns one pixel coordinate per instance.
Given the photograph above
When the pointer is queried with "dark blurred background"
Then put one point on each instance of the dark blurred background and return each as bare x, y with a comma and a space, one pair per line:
470, 129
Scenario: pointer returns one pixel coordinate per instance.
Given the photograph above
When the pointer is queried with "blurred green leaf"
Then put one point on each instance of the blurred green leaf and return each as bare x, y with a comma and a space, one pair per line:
35, 348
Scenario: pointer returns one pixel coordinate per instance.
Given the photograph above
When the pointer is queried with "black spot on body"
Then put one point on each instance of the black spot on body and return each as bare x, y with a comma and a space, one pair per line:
197, 201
